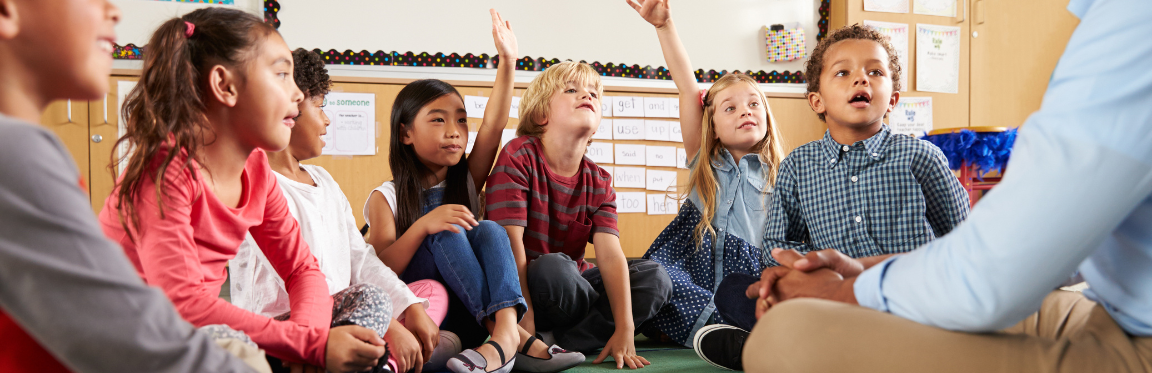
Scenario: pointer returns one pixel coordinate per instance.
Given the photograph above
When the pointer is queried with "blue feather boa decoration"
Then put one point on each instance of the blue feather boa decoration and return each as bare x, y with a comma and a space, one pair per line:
987, 151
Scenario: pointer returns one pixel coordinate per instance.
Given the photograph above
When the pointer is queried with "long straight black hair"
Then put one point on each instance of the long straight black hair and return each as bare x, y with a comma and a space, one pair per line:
408, 172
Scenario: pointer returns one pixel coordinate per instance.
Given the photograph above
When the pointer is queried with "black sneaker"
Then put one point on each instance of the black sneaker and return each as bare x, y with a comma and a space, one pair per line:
721, 345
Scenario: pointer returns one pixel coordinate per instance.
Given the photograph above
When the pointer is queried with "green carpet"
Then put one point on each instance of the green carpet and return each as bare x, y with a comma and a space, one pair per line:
665, 357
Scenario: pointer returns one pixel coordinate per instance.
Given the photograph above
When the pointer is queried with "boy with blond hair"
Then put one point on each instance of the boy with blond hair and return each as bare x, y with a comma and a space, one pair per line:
553, 201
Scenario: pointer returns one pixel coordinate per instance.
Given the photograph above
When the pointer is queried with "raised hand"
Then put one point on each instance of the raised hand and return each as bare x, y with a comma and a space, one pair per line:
655, 12
504, 37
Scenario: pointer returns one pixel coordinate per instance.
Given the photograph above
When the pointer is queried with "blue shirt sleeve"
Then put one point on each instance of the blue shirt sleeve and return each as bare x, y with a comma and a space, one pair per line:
1080, 167
786, 228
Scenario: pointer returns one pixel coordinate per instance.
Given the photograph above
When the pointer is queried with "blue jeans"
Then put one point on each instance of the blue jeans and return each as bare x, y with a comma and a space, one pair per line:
476, 265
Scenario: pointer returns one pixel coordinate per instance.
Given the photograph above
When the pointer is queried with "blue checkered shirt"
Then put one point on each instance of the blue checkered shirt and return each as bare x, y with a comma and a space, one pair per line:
887, 194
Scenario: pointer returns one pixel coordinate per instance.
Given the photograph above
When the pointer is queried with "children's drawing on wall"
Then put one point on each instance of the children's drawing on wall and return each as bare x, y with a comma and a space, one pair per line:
911, 116
889, 6
937, 58
353, 128
898, 33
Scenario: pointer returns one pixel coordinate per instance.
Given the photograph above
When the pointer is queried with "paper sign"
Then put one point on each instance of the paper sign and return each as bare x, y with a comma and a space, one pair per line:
353, 127
604, 132
945, 8
628, 106
599, 152
674, 132
611, 170
655, 107
606, 106
627, 202
628, 129
674, 107
475, 106
628, 177
937, 58
657, 130
471, 142
514, 109
890, 6
681, 158
506, 136
662, 181
630, 154
912, 116
662, 204
660, 156
898, 34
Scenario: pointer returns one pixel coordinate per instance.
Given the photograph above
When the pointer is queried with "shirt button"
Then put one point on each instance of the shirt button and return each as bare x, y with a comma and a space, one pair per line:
845, 148
854, 179
859, 219
875, 154
833, 161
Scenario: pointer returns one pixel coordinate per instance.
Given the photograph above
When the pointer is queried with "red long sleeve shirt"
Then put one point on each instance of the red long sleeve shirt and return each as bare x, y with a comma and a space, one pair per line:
184, 253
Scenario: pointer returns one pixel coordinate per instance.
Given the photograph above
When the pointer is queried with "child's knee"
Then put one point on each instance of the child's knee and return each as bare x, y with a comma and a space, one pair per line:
489, 230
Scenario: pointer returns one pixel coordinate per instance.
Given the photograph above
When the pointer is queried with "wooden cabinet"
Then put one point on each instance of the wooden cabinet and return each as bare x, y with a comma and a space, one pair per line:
1007, 53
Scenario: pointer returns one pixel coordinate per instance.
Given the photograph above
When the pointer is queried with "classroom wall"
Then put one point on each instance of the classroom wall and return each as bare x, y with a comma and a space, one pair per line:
720, 34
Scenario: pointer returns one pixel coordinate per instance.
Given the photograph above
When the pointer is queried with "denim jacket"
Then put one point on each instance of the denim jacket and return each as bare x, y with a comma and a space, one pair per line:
743, 196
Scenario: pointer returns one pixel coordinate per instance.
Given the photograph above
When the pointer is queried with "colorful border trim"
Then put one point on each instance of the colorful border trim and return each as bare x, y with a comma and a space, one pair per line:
482, 61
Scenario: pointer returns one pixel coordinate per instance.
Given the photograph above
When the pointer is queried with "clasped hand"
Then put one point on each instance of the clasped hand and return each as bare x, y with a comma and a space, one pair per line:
825, 274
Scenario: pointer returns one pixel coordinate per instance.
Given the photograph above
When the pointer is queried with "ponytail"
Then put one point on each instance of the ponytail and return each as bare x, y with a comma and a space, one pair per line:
167, 107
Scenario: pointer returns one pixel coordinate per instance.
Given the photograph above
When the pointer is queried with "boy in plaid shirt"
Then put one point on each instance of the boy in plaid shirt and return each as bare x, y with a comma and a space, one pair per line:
861, 189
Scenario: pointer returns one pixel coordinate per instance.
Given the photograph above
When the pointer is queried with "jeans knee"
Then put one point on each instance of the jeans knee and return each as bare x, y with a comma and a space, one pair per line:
488, 230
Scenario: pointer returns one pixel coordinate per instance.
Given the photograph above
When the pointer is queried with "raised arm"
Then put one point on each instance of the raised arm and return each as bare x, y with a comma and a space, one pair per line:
496, 113
658, 13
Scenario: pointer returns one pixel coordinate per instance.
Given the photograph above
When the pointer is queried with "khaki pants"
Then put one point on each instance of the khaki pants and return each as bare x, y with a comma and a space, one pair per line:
1068, 334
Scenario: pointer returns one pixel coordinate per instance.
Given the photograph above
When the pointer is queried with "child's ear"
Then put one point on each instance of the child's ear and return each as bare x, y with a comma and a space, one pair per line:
892, 101
222, 85
816, 102
9, 20
407, 140
542, 119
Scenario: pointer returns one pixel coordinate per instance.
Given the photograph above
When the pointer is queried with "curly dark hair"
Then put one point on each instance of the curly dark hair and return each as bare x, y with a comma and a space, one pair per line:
815, 65
310, 74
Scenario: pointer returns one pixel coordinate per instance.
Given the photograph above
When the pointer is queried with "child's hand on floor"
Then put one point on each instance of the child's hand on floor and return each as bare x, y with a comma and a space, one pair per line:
423, 328
622, 348
655, 12
405, 348
505, 40
446, 218
352, 348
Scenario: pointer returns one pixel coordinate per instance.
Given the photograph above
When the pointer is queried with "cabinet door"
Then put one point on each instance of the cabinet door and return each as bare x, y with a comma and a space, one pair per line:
949, 110
69, 120
1015, 46
105, 122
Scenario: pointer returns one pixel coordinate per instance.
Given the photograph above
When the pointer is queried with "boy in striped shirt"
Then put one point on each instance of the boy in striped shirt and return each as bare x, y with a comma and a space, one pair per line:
554, 201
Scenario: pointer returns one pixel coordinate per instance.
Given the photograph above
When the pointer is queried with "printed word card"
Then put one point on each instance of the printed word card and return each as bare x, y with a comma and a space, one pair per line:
353, 127
628, 106
674, 132
656, 107
660, 156
506, 136
628, 129
662, 181
629, 202
674, 107
662, 204
681, 158
657, 130
628, 177
611, 170
475, 105
514, 111
629, 154
606, 106
604, 132
471, 142
600, 152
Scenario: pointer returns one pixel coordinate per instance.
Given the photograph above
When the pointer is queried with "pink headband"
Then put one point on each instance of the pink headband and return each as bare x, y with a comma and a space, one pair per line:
189, 29
703, 93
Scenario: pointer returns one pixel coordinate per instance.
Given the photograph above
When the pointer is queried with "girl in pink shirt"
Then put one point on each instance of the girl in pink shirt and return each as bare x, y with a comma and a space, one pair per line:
215, 93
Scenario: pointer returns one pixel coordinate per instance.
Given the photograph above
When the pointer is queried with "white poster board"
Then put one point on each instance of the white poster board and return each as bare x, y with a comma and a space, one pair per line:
353, 128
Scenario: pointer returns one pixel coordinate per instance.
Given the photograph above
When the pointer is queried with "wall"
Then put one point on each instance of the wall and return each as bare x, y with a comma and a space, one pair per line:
719, 34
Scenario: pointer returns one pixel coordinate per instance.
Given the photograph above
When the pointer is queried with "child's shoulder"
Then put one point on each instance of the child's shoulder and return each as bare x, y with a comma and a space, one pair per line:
805, 153
906, 144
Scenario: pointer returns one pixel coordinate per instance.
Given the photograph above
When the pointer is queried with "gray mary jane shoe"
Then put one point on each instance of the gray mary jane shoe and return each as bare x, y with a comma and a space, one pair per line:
470, 361
558, 360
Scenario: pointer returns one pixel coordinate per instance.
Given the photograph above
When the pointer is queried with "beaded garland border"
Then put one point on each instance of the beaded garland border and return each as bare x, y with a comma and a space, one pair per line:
469, 60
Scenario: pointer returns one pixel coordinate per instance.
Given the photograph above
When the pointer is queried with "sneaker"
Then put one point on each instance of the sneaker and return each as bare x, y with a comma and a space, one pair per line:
721, 345
448, 347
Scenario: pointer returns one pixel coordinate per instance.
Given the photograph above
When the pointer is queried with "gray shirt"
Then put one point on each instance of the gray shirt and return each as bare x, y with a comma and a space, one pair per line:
72, 289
